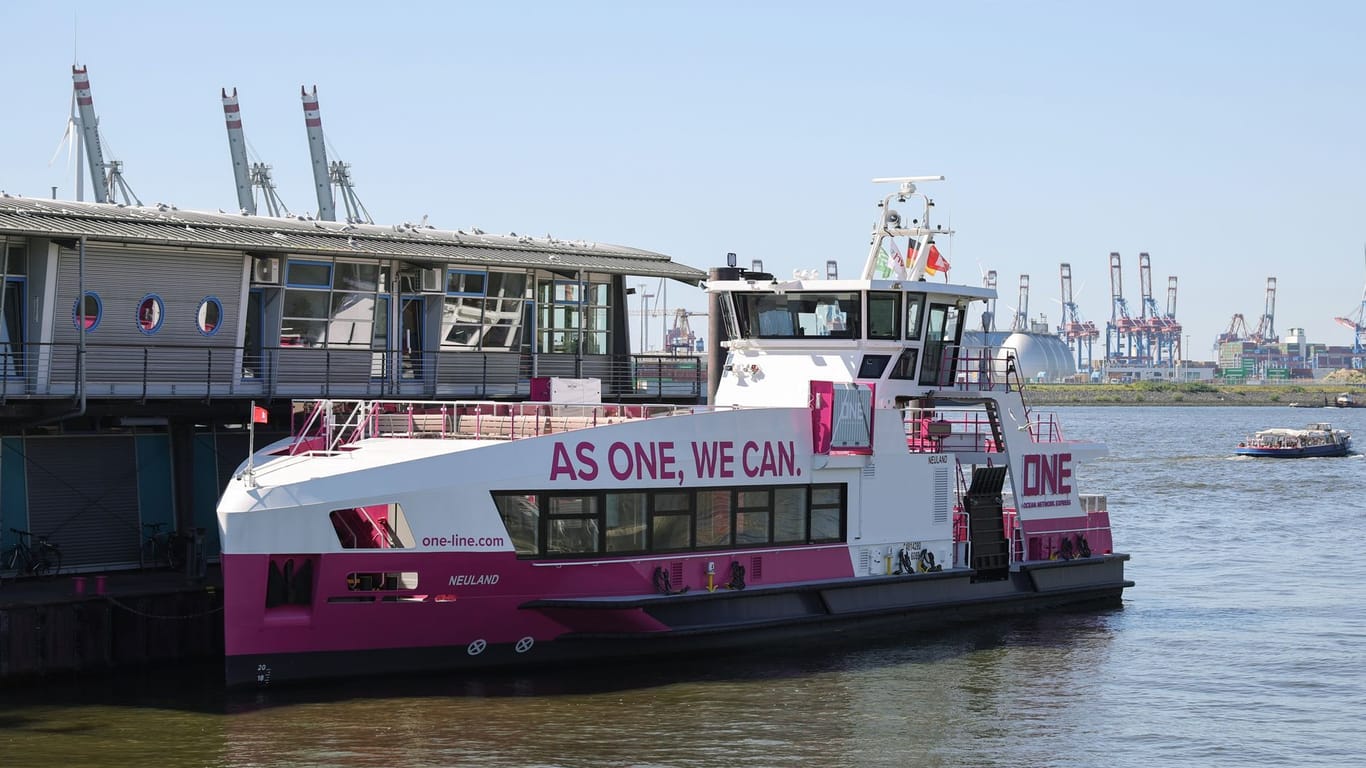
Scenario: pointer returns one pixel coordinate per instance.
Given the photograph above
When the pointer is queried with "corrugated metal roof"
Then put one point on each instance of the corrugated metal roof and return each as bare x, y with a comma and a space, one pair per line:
167, 225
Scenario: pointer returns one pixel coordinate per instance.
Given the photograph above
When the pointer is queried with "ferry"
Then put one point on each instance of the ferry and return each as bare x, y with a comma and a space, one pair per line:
1317, 439
856, 468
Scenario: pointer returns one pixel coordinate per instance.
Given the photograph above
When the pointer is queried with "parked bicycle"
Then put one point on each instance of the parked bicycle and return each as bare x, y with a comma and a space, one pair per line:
32, 555
162, 548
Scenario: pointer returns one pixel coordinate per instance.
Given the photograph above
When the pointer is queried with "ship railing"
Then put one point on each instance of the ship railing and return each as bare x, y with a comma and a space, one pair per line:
330, 425
969, 428
949, 429
971, 368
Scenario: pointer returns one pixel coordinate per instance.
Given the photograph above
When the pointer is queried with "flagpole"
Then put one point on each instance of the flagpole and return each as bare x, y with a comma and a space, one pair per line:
251, 445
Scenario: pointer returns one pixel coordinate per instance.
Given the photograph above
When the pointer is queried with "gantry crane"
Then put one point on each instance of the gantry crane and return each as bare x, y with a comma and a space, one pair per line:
1080, 334
1121, 342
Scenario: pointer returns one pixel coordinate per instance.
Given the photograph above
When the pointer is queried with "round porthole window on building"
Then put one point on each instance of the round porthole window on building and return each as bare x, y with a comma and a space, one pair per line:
150, 313
92, 307
209, 316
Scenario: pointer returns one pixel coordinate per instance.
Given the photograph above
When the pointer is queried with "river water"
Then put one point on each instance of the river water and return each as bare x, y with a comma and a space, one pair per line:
1243, 643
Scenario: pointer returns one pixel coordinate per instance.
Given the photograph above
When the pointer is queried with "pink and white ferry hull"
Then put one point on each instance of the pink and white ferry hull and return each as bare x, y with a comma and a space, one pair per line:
497, 611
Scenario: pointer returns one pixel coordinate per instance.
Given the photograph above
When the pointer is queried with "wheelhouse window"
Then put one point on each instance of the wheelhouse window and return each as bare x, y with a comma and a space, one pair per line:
542, 524
942, 331
341, 305
799, 315
884, 315
915, 309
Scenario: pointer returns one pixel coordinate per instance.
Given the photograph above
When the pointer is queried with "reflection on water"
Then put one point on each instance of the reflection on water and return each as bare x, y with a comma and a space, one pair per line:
1240, 645
872, 702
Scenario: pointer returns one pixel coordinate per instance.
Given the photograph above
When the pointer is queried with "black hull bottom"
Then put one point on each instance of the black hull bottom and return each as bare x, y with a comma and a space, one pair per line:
831, 612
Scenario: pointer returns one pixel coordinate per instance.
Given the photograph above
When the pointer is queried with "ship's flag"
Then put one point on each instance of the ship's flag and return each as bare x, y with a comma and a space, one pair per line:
882, 268
898, 262
936, 263
259, 415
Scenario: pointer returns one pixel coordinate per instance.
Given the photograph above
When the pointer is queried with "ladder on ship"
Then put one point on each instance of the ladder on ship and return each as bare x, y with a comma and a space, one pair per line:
990, 558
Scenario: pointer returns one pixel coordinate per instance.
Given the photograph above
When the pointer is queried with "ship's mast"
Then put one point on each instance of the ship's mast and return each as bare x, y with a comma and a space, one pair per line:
890, 226
237, 147
322, 181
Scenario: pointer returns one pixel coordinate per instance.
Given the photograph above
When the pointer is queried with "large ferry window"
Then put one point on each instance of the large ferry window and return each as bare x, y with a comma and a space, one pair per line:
752, 512
799, 315
915, 308
559, 525
789, 515
572, 525
671, 521
522, 518
827, 513
625, 522
713, 518
884, 315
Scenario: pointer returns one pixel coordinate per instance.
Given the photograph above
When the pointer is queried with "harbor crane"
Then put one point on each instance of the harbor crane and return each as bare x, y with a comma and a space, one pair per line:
1021, 323
1356, 322
1265, 332
1121, 341
325, 175
1080, 334
250, 177
106, 177
1173, 328
989, 314
1161, 332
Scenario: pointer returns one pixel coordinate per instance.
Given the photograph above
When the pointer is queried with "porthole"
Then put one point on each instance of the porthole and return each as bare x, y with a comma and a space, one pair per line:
210, 315
93, 309
151, 312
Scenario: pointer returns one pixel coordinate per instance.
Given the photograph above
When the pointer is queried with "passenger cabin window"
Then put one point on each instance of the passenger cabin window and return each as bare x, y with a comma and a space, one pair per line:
555, 525
799, 315
209, 316
884, 315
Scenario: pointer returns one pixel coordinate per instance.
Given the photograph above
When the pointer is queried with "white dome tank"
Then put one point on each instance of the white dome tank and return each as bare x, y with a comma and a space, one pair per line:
1039, 356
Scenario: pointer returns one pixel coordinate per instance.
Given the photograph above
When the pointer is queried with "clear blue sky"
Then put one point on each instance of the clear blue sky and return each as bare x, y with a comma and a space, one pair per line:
1223, 138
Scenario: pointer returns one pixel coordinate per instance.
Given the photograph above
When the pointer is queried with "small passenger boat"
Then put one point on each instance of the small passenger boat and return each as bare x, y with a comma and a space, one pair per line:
856, 467
1318, 439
